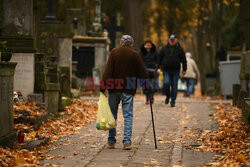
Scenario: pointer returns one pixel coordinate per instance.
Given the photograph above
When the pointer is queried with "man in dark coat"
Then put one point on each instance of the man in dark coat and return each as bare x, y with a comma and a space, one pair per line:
171, 57
149, 55
124, 65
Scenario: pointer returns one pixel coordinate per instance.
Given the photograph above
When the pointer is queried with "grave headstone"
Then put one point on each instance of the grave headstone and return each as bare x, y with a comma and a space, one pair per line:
51, 96
93, 51
17, 17
245, 86
40, 73
24, 78
7, 135
52, 91
17, 30
94, 48
65, 55
245, 71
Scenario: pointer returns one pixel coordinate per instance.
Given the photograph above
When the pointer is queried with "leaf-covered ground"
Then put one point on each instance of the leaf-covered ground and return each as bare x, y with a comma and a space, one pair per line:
76, 116
230, 141
232, 138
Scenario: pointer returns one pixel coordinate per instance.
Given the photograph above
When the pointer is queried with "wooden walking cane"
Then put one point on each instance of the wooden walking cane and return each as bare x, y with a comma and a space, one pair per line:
152, 115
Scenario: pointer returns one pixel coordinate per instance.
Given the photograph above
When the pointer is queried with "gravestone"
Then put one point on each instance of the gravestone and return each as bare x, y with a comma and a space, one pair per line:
65, 55
17, 17
54, 40
17, 30
89, 52
245, 71
98, 45
24, 77
40, 73
51, 94
244, 78
7, 135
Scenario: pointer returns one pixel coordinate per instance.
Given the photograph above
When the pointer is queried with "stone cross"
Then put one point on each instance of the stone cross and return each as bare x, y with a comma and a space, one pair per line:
50, 17
112, 28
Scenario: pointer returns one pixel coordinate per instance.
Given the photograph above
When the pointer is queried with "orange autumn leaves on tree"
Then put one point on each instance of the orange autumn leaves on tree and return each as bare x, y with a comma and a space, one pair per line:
231, 138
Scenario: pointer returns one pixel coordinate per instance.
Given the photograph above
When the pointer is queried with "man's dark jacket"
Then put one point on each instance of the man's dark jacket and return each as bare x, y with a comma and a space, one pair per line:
124, 62
171, 61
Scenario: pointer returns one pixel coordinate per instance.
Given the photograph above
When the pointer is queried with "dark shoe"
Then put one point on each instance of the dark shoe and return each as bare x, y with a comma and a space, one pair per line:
127, 146
172, 105
167, 101
111, 145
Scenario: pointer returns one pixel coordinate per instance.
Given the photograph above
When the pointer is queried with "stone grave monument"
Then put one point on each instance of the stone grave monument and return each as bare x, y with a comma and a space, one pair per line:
7, 134
17, 30
244, 94
90, 53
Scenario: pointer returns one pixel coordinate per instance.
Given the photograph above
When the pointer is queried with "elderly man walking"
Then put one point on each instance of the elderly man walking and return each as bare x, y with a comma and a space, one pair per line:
191, 74
124, 63
170, 59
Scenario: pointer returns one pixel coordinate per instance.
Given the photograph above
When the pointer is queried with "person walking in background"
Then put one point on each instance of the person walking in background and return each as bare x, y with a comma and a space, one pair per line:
124, 62
171, 57
148, 53
192, 74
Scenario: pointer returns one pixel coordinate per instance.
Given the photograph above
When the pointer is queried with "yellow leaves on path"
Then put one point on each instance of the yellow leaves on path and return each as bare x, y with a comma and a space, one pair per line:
18, 157
231, 139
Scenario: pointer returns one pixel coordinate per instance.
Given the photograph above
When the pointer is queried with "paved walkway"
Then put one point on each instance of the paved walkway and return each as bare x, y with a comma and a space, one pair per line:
174, 129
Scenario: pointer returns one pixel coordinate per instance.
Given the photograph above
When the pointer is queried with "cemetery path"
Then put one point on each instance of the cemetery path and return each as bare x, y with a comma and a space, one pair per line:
175, 128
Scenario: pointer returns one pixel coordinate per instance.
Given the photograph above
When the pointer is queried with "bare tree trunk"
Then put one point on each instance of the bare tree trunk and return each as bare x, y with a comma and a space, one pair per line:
245, 25
200, 48
133, 20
